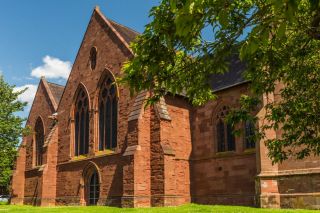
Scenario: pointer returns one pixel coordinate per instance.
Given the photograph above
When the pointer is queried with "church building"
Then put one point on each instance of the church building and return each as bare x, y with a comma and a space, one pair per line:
94, 144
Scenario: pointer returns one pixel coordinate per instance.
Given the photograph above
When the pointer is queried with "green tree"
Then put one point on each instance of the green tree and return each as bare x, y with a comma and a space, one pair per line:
10, 129
279, 40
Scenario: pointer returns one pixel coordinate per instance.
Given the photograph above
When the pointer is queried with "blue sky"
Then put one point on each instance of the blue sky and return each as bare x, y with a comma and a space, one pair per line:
37, 36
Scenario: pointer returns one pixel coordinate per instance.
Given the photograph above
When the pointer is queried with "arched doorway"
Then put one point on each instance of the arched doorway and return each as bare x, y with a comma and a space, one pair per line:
91, 181
93, 190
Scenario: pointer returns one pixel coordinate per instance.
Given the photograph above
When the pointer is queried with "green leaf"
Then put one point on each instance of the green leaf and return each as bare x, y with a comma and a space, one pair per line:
223, 18
282, 30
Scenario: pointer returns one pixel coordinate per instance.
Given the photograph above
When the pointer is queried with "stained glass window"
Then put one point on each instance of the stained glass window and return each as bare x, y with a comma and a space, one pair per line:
108, 115
93, 58
81, 124
94, 189
224, 132
249, 135
39, 136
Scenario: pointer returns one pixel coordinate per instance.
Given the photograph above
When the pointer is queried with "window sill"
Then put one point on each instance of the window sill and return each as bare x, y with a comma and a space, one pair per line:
226, 153
79, 157
34, 168
249, 151
105, 152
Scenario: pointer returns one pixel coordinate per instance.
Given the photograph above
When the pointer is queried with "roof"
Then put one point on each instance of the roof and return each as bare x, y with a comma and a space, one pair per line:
56, 91
218, 81
127, 33
231, 78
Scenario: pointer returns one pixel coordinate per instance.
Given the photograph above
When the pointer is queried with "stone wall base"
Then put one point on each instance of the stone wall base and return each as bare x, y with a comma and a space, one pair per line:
295, 201
154, 201
226, 199
117, 201
16, 201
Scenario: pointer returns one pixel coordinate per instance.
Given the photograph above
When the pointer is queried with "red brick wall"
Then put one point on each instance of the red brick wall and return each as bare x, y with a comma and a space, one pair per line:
220, 178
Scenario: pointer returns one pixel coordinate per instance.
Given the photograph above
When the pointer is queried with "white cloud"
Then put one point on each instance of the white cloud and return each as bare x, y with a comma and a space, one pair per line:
28, 95
52, 68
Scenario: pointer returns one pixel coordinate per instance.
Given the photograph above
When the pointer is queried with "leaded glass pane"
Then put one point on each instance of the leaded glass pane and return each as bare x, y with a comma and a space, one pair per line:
39, 140
101, 126
82, 131
230, 138
114, 122
220, 136
108, 124
81, 145
249, 135
109, 112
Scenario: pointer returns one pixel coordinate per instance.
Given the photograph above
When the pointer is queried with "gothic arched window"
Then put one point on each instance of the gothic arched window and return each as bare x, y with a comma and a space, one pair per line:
249, 130
39, 137
81, 117
93, 58
220, 136
94, 189
108, 114
225, 137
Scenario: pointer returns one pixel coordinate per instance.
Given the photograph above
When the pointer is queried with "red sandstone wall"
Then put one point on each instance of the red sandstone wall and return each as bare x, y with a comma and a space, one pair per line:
178, 133
41, 107
69, 180
111, 54
49, 174
18, 177
290, 184
220, 178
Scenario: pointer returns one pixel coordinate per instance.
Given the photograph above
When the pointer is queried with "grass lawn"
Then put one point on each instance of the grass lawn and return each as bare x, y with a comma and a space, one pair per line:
186, 208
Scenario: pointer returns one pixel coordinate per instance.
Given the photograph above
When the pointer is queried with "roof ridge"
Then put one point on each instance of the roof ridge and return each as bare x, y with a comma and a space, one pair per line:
113, 28
129, 28
49, 92
55, 84
49, 137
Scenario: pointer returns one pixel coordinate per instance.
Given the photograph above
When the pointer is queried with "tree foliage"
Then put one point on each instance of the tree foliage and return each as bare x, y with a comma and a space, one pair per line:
279, 41
10, 129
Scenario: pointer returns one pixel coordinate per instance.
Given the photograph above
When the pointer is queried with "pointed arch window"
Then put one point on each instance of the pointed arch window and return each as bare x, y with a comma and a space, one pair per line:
39, 137
108, 114
250, 142
225, 137
81, 113
220, 136
94, 189
93, 58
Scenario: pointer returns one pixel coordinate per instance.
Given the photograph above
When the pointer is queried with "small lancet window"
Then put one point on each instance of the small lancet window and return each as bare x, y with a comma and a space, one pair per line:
250, 141
93, 58
81, 113
224, 132
39, 137
108, 114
